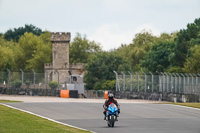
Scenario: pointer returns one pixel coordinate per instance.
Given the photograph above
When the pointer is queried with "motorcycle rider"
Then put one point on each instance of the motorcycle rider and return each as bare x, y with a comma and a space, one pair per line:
110, 100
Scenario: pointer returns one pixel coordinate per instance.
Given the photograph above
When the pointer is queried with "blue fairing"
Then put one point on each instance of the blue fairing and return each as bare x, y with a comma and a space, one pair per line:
112, 109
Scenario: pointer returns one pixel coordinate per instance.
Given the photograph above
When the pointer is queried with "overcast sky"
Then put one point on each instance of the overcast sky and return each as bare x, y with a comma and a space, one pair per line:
109, 22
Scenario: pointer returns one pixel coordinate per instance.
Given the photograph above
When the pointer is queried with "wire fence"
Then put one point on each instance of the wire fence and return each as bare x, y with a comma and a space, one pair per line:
22, 80
128, 85
13, 80
177, 83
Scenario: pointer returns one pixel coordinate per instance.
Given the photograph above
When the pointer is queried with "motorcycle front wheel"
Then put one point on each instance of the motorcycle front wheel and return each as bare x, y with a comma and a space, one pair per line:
112, 121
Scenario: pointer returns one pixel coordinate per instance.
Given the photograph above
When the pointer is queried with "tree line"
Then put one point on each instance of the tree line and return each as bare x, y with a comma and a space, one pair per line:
179, 52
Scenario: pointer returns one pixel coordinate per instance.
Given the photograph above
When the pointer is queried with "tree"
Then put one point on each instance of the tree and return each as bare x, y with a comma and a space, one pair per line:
142, 43
192, 64
16, 33
81, 49
144, 39
33, 51
186, 38
158, 58
42, 54
99, 70
7, 58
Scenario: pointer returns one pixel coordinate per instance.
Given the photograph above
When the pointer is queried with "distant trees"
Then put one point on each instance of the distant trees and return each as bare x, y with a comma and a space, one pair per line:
33, 51
29, 48
7, 49
81, 49
99, 70
16, 33
25, 51
158, 58
186, 39
192, 64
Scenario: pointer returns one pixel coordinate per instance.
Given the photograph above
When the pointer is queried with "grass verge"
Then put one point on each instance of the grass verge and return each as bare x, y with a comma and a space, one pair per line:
194, 105
8, 101
15, 121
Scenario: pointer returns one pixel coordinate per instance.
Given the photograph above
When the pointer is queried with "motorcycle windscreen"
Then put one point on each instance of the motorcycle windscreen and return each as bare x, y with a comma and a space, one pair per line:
112, 107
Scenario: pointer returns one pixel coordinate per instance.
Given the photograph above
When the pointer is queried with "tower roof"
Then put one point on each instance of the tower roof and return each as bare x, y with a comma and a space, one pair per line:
62, 37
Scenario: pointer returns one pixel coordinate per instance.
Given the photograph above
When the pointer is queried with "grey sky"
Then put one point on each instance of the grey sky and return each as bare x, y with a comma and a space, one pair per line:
109, 22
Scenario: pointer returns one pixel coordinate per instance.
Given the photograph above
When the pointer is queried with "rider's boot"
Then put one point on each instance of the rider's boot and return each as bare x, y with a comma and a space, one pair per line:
104, 117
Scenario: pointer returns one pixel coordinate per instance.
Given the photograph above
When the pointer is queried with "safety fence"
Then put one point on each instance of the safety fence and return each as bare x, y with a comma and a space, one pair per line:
139, 85
23, 80
156, 96
33, 80
177, 83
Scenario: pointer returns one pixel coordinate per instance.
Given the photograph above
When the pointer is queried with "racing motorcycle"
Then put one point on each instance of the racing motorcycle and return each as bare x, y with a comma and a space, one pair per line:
111, 115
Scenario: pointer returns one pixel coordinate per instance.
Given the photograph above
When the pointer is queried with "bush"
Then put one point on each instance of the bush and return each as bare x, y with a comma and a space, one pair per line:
109, 85
53, 84
17, 84
27, 82
105, 85
175, 70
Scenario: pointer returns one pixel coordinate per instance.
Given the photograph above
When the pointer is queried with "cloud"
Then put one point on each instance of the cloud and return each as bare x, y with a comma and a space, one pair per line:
111, 36
149, 28
114, 5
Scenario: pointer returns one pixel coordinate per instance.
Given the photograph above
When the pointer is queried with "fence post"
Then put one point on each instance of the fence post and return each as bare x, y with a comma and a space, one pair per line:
183, 82
163, 85
188, 82
8, 78
174, 82
151, 81
58, 80
195, 83
171, 81
167, 81
179, 84
192, 89
33, 77
138, 81
117, 81
46, 78
123, 81
198, 83
22, 76
145, 78
131, 76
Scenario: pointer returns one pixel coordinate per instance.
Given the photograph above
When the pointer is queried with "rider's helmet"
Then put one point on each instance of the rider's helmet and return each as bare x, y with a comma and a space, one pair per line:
110, 96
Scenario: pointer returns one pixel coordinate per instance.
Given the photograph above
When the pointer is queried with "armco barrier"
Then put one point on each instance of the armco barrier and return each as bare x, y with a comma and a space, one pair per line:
31, 92
64, 93
106, 94
40, 92
73, 94
69, 93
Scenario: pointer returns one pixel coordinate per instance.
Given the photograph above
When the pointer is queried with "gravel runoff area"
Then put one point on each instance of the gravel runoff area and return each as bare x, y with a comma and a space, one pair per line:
25, 98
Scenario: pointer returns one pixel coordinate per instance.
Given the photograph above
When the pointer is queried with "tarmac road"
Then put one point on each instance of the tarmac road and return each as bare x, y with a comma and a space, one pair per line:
134, 117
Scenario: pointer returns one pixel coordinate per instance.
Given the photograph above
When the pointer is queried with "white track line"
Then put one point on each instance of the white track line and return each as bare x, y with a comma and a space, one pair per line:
46, 118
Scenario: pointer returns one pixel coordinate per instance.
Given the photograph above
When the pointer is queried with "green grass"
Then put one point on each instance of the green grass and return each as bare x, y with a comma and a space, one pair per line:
8, 101
15, 121
194, 105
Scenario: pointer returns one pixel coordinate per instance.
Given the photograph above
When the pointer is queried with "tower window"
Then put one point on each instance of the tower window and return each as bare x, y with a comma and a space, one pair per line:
74, 78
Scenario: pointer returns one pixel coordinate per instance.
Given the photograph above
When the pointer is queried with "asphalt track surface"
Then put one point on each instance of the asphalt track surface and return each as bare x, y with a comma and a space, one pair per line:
134, 118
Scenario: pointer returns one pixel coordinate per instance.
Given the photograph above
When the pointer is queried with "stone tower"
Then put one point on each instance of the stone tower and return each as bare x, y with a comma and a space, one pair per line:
60, 56
60, 50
